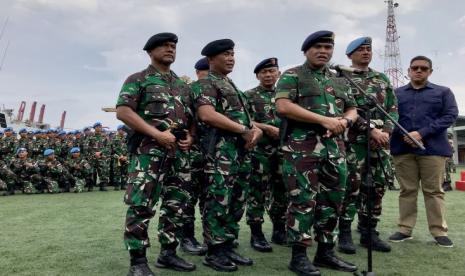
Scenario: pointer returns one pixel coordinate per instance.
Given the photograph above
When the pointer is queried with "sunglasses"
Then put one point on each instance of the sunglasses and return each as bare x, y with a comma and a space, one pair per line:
422, 68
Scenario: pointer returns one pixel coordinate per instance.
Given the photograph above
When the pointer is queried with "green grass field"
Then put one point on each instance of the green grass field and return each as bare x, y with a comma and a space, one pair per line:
81, 234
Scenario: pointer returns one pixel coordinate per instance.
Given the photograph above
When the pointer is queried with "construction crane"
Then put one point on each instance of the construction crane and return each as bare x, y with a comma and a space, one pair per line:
392, 64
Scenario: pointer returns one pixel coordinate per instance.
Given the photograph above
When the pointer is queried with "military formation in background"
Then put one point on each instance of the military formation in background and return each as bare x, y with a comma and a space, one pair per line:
55, 161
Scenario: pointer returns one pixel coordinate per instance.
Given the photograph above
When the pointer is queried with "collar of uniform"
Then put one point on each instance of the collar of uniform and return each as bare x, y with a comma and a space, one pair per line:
263, 89
321, 70
153, 71
217, 75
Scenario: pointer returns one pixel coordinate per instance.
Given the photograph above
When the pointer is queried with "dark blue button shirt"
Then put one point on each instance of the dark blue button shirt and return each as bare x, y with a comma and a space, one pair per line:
430, 111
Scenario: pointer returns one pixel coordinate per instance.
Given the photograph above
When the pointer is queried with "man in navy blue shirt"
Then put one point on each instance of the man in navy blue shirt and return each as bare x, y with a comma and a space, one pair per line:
426, 110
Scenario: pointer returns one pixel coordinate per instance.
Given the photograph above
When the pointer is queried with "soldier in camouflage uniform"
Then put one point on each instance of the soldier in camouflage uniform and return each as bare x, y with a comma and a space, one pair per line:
317, 108
7, 177
39, 145
267, 190
8, 145
378, 85
51, 171
79, 169
27, 172
450, 167
24, 140
154, 103
226, 137
99, 156
195, 187
120, 158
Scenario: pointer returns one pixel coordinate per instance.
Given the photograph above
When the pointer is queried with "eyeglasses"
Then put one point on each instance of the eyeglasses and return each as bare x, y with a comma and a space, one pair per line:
422, 68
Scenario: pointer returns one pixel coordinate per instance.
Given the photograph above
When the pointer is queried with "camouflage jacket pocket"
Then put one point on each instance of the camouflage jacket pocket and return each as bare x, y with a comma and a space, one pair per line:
328, 174
157, 106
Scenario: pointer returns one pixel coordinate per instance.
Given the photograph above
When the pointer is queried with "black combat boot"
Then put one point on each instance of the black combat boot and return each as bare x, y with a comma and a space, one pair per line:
257, 238
234, 256
325, 257
217, 259
376, 243
169, 259
279, 233
117, 186
446, 186
300, 263
345, 243
139, 266
189, 243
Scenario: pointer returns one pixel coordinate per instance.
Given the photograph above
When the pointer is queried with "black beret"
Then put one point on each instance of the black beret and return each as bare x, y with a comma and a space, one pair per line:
159, 39
266, 63
217, 47
316, 37
202, 64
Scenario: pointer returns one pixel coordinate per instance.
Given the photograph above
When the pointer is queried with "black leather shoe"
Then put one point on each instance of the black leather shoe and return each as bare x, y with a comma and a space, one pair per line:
140, 270
192, 246
217, 260
301, 265
345, 243
236, 258
259, 243
169, 259
325, 257
376, 243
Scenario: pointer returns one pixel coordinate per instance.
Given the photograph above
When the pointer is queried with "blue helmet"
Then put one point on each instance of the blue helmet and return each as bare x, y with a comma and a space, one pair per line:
20, 150
8, 129
23, 130
74, 150
48, 152
120, 127
97, 124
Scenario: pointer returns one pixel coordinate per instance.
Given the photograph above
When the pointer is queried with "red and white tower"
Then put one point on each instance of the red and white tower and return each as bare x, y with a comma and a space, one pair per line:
392, 65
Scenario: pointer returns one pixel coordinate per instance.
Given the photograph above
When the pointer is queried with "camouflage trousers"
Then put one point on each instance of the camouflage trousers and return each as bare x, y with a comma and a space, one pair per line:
149, 179
356, 194
50, 185
79, 184
316, 188
267, 190
7, 178
120, 174
225, 202
196, 187
449, 169
102, 170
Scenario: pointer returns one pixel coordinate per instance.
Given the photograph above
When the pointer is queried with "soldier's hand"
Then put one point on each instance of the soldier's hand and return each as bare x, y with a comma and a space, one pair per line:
334, 125
166, 139
256, 134
186, 143
416, 135
273, 132
379, 137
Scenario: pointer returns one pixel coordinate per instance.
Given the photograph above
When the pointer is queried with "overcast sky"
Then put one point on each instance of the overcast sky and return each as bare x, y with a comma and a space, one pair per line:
74, 55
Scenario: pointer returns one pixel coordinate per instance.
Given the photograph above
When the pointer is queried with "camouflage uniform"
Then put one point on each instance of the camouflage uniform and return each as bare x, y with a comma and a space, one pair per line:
378, 85
99, 143
159, 99
80, 171
120, 149
227, 166
267, 190
27, 174
8, 148
314, 167
7, 178
52, 173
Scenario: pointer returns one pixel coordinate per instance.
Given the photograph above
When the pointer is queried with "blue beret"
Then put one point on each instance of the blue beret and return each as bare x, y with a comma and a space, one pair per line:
217, 47
357, 43
37, 131
97, 124
202, 64
159, 39
20, 150
266, 63
62, 133
8, 129
48, 152
317, 37
74, 150
120, 127
86, 128
77, 131
23, 130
